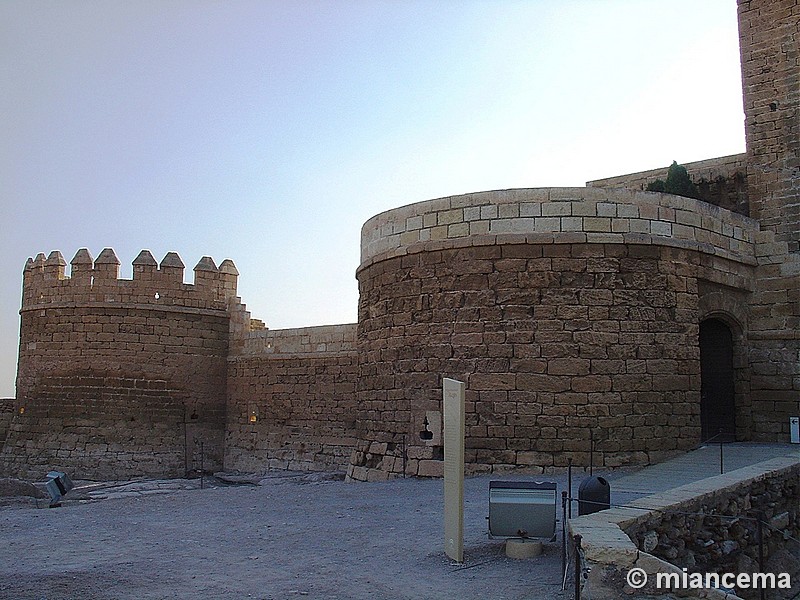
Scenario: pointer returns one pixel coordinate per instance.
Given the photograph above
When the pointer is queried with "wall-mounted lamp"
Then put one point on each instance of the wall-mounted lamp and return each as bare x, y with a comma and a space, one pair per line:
22, 410
253, 417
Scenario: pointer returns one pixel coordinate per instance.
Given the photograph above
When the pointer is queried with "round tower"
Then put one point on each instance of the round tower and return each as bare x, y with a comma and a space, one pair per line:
120, 378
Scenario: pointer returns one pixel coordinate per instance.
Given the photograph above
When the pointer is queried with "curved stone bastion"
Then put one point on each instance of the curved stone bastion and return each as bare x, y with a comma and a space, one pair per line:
569, 313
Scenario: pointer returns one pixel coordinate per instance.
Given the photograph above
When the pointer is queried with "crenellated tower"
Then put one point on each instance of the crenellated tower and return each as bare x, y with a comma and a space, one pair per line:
121, 377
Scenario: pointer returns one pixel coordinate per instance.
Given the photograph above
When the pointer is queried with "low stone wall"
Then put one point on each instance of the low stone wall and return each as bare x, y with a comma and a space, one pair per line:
667, 533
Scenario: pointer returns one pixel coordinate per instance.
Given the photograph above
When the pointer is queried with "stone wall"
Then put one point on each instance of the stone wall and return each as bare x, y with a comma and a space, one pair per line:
706, 526
769, 36
769, 42
6, 413
565, 311
726, 544
720, 181
119, 378
291, 399
558, 215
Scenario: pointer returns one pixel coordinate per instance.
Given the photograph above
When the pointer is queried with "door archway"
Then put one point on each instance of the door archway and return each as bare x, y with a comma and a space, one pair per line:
717, 389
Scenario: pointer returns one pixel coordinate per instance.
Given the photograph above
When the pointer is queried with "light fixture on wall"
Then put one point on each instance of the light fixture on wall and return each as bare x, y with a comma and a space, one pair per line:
253, 417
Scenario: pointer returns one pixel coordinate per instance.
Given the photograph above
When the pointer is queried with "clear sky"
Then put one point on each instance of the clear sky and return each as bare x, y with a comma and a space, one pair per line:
269, 131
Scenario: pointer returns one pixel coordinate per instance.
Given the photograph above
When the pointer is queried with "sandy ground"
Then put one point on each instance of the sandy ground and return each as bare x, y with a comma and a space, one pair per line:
291, 536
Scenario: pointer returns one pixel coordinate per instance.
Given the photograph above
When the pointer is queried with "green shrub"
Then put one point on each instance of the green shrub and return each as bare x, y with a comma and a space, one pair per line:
678, 183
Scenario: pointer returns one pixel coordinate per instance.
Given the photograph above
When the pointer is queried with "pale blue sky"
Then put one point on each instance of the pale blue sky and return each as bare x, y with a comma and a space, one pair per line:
269, 131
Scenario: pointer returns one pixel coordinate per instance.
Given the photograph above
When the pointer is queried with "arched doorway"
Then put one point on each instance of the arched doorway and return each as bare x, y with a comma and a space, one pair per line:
717, 391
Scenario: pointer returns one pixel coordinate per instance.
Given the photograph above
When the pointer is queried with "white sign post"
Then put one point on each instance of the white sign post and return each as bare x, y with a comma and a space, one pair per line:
453, 400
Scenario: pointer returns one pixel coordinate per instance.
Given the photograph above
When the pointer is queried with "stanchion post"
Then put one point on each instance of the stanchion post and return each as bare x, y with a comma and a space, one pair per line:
577, 540
760, 516
202, 466
563, 532
569, 486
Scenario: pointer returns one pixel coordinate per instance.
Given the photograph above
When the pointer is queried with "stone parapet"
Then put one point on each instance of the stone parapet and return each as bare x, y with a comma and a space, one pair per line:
559, 216
705, 526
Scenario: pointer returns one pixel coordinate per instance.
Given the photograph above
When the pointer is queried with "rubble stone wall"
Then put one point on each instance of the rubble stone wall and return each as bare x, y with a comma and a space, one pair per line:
726, 544
704, 527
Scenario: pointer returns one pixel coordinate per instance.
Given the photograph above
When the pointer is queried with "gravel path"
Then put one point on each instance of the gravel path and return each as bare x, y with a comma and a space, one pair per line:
294, 535
284, 539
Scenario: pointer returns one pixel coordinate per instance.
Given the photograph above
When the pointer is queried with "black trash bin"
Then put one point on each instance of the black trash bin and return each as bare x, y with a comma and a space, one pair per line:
594, 494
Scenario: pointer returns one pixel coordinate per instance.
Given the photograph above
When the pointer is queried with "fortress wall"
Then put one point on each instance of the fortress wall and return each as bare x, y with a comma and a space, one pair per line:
6, 413
302, 340
769, 38
291, 399
769, 41
774, 338
720, 181
120, 378
558, 334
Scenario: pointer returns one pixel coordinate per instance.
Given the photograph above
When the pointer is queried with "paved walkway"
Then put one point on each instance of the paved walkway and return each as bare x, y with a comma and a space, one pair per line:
693, 466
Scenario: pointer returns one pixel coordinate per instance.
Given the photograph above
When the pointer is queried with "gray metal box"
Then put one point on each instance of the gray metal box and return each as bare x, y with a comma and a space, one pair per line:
522, 509
57, 485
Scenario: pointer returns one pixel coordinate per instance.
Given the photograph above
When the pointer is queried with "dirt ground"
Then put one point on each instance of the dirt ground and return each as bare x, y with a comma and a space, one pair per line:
291, 536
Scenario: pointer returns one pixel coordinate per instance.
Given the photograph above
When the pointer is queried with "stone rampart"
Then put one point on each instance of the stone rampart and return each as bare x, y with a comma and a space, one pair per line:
291, 399
565, 311
120, 377
709, 526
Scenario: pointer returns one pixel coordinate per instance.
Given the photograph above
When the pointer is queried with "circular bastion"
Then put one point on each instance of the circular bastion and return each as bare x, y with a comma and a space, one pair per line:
570, 313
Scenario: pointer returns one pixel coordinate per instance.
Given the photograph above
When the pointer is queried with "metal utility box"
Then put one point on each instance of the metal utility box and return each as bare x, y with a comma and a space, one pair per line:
522, 509
57, 485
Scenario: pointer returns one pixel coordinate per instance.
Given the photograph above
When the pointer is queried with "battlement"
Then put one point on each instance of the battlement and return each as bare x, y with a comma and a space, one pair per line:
93, 281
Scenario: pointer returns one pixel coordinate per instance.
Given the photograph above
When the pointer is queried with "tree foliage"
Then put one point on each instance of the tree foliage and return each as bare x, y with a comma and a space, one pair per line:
678, 183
